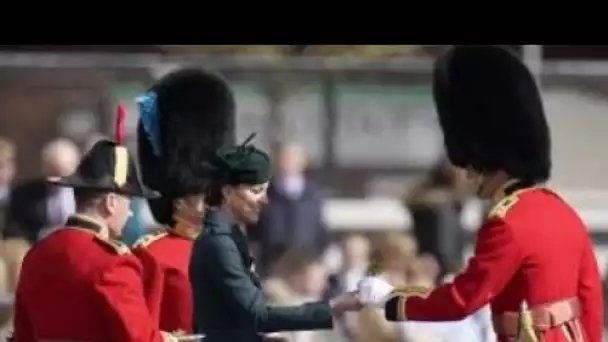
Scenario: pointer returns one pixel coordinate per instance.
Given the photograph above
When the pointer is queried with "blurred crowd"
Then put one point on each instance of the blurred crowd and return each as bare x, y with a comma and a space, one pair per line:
295, 254
297, 257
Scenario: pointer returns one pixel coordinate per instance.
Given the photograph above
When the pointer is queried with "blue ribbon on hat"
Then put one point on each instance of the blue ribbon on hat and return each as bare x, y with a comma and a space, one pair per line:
148, 111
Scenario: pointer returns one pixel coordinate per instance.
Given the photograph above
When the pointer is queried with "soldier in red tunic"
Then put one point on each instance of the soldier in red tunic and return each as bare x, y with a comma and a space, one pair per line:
534, 260
184, 119
80, 283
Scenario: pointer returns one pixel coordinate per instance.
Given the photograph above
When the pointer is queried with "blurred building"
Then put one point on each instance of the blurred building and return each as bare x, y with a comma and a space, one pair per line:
363, 113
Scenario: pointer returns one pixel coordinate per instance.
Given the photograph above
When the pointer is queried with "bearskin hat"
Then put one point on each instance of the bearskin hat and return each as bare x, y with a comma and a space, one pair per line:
491, 112
184, 118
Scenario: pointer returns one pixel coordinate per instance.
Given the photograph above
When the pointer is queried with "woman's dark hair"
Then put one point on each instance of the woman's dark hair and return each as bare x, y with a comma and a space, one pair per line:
213, 195
242, 164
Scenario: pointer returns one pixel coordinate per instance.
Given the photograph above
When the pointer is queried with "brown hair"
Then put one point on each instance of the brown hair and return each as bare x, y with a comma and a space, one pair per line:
292, 262
395, 246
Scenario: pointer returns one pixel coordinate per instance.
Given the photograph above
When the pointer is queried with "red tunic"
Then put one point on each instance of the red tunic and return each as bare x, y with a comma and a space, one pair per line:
76, 284
171, 250
533, 247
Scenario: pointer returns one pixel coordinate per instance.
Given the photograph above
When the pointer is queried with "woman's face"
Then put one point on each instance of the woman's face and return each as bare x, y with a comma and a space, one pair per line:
246, 201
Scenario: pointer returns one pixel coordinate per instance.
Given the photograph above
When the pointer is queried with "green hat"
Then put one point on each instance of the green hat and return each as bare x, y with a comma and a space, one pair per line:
243, 164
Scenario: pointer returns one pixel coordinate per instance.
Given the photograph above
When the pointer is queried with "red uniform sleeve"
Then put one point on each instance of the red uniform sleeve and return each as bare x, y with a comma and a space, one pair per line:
22, 329
121, 300
590, 295
496, 258
153, 279
177, 306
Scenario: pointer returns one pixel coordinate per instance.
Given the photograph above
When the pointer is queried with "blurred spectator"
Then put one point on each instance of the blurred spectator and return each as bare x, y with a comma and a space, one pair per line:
332, 257
424, 271
8, 155
276, 285
355, 261
292, 219
36, 207
435, 205
299, 278
394, 253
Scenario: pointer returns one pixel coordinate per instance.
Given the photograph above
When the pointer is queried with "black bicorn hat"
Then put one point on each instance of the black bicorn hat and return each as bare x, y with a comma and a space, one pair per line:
184, 118
491, 112
108, 166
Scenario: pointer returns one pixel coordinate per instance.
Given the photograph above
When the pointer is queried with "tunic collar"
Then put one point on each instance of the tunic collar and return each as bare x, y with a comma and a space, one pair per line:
85, 222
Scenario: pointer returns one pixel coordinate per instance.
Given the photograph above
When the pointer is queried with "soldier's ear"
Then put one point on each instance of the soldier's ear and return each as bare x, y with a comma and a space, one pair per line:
110, 203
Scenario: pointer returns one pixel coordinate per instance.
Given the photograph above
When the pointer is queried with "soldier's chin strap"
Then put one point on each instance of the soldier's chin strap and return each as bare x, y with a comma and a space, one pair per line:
187, 219
188, 212
503, 191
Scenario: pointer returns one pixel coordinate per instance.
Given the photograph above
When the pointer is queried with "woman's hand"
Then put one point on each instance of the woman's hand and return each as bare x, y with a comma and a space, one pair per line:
344, 302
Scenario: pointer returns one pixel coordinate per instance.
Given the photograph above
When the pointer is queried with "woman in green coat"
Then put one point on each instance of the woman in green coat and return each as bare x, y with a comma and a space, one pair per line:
228, 301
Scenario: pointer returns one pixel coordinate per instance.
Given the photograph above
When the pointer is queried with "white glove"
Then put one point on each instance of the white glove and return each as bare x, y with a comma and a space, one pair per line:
168, 337
274, 337
373, 291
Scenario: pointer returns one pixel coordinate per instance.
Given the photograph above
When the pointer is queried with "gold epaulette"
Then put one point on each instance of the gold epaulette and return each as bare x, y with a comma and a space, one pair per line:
119, 247
500, 209
502, 206
148, 239
412, 291
103, 236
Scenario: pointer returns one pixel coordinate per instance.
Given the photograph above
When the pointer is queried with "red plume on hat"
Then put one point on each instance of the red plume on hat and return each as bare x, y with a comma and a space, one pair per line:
119, 123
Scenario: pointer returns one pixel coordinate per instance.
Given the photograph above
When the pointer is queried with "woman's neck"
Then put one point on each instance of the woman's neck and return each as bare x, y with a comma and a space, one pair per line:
228, 212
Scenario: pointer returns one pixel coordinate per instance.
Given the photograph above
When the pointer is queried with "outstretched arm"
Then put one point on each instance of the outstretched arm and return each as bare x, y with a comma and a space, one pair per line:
244, 297
496, 259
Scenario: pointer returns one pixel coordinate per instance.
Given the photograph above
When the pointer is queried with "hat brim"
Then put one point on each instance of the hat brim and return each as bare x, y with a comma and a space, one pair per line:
74, 181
